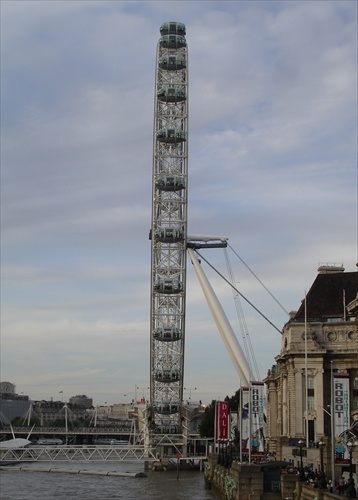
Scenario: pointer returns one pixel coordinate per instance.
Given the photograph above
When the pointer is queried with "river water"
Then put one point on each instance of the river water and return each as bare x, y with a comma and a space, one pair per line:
17, 484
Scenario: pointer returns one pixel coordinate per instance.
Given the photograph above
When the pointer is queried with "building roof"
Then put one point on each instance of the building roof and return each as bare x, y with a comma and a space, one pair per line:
327, 296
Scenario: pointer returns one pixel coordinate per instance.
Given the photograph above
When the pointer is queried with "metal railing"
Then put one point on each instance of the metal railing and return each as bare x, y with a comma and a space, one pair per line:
77, 453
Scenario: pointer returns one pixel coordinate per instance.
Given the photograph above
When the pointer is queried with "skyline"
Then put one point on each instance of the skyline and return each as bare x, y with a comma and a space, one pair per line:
272, 166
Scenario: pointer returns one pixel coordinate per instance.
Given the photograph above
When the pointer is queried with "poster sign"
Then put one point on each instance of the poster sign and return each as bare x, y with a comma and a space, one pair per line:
341, 416
221, 420
257, 417
245, 419
233, 426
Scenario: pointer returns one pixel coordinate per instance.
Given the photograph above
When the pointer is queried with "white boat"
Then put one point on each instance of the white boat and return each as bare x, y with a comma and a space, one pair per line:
119, 442
15, 443
49, 441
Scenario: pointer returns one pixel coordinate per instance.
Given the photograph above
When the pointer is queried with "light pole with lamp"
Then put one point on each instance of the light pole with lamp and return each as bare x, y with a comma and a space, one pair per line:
351, 490
351, 445
190, 389
301, 445
322, 484
267, 446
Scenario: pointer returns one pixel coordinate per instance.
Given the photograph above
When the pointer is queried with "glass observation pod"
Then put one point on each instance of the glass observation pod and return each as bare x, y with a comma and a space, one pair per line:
169, 234
171, 135
168, 428
172, 62
165, 407
172, 272
167, 375
167, 334
172, 41
172, 28
168, 286
171, 94
170, 183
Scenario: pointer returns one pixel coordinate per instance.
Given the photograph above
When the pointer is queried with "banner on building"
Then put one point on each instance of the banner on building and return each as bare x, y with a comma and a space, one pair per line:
233, 426
257, 418
221, 420
341, 416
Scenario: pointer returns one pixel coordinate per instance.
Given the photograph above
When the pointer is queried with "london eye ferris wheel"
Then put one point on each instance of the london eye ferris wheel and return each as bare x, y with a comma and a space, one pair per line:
169, 230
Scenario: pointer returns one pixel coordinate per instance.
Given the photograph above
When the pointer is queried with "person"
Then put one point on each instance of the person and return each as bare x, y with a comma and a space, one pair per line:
350, 490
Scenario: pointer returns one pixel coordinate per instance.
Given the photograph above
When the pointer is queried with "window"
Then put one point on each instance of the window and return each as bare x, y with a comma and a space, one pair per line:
310, 403
310, 382
355, 403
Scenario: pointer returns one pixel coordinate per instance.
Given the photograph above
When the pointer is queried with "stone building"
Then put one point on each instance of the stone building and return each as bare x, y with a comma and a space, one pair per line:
81, 400
319, 344
52, 413
12, 405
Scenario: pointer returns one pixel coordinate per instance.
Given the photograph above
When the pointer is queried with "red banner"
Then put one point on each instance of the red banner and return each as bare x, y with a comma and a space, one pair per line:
221, 420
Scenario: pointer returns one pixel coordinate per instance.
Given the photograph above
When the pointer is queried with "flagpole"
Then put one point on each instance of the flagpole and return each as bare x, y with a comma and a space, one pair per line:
306, 371
333, 444
250, 420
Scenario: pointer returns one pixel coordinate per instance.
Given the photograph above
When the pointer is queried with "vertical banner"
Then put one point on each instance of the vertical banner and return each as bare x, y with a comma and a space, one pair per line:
341, 416
233, 426
245, 419
257, 417
221, 420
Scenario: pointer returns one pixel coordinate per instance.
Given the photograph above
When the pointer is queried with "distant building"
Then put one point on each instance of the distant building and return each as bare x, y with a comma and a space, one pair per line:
82, 401
12, 405
319, 346
53, 412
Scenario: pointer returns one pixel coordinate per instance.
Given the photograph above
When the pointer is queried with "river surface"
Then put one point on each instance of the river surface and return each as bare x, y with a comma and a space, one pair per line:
17, 484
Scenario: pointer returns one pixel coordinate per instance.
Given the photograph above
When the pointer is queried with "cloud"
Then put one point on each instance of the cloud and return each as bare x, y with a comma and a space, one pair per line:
272, 165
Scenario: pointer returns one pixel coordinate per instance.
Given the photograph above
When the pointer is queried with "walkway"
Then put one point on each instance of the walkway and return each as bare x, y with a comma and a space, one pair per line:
77, 453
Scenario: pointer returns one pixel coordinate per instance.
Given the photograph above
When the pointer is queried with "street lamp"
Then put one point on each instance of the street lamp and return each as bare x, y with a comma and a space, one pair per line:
190, 389
321, 445
322, 480
267, 445
219, 457
351, 445
301, 444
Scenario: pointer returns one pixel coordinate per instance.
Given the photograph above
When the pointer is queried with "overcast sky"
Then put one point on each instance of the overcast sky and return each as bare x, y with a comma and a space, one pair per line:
272, 166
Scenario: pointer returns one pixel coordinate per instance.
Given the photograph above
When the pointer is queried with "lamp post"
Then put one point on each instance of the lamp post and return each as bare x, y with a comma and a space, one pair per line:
227, 453
301, 444
322, 479
351, 445
190, 389
351, 490
230, 458
321, 445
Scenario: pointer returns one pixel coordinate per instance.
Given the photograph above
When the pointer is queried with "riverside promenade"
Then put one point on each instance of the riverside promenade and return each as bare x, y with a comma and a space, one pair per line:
258, 482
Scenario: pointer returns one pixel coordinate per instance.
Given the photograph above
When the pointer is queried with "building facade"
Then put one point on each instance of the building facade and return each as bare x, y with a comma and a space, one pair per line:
12, 405
319, 347
81, 400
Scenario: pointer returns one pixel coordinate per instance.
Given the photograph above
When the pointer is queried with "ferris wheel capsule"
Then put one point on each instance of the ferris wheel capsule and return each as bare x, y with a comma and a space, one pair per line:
166, 407
167, 375
172, 62
167, 334
172, 41
171, 94
172, 28
168, 286
171, 135
169, 234
170, 183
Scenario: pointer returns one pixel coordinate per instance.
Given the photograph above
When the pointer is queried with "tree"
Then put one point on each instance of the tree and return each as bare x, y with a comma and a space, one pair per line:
234, 401
207, 424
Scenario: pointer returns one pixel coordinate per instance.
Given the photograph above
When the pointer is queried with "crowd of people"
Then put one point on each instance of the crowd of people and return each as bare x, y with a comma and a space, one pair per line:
344, 487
